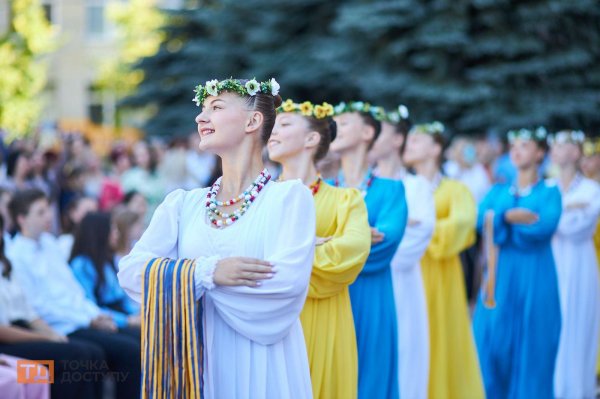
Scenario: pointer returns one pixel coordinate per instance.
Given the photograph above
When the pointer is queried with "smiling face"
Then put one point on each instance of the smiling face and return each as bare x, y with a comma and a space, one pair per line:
291, 136
525, 153
352, 130
225, 121
388, 143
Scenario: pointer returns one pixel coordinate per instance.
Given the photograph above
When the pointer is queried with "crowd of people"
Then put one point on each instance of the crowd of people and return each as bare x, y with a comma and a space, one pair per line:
68, 215
419, 267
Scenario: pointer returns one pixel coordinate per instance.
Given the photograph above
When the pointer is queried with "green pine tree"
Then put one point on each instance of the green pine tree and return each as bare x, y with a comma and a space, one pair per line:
476, 65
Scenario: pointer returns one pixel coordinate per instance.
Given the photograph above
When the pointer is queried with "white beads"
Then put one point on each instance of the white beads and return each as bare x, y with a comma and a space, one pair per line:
221, 219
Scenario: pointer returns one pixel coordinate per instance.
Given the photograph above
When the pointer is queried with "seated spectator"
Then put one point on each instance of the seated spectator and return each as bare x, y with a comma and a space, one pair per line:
76, 209
111, 193
92, 262
145, 176
55, 294
137, 203
24, 334
130, 227
18, 170
5, 197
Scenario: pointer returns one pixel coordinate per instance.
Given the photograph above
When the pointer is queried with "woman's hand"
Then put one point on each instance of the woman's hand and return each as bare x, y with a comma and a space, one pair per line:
322, 240
239, 271
104, 322
521, 216
134, 320
376, 236
58, 338
39, 326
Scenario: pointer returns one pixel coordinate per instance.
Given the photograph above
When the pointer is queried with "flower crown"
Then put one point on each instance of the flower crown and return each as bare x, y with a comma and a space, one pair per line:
359, 106
250, 88
397, 115
319, 111
540, 135
591, 147
433, 128
567, 136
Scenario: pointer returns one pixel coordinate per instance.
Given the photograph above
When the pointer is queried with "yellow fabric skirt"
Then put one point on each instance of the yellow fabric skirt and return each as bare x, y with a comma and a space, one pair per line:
454, 366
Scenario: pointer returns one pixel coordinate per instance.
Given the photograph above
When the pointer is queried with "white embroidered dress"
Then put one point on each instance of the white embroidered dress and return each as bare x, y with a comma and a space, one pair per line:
577, 271
253, 337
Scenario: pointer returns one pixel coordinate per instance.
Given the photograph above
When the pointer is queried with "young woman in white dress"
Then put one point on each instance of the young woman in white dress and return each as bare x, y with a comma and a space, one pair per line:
409, 294
253, 341
577, 271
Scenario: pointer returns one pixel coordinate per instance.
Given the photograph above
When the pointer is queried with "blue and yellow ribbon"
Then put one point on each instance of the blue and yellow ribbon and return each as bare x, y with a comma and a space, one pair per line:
172, 331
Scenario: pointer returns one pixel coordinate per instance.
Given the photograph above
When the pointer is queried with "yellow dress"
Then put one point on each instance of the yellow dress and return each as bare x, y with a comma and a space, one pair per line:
454, 371
327, 315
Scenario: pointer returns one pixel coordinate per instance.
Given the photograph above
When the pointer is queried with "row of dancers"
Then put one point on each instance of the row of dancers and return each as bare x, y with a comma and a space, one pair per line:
352, 286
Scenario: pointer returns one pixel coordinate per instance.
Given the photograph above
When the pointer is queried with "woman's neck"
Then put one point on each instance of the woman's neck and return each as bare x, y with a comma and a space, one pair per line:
428, 168
390, 166
527, 176
354, 165
567, 174
240, 169
301, 167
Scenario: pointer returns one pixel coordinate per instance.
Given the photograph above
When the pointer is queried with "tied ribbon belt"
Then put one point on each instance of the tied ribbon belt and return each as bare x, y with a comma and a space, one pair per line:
172, 332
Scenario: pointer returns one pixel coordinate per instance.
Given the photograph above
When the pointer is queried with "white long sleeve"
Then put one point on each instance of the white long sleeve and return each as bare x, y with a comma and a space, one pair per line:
158, 241
421, 211
266, 314
580, 223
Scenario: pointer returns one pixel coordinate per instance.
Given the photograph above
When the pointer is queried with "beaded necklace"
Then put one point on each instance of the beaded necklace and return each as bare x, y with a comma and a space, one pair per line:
364, 185
217, 217
316, 185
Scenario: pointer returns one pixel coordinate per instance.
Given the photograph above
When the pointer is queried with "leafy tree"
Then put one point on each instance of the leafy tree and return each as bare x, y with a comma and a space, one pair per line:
22, 67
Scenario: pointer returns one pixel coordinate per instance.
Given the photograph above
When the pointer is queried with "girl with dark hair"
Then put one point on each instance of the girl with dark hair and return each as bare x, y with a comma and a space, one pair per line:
372, 295
18, 170
92, 262
130, 226
409, 292
517, 318
300, 138
453, 364
74, 212
213, 250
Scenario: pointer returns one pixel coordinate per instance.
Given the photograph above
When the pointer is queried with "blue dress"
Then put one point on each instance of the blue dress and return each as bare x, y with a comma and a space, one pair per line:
111, 298
372, 295
517, 340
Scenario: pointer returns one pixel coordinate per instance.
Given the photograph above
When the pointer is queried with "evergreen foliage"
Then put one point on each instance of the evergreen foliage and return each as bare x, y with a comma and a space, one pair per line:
476, 65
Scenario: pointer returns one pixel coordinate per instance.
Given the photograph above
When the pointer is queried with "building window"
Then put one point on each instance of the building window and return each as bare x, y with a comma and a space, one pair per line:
48, 11
96, 18
95, 105
4, 15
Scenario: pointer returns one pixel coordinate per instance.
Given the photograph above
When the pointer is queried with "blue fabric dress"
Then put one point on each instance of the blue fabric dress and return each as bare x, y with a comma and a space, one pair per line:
517, 340
112, 299
372, 294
